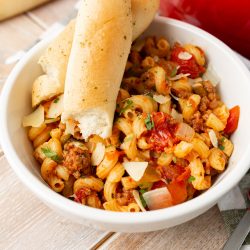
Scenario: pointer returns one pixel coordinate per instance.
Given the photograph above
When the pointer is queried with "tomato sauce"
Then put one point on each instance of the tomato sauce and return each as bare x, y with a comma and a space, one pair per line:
189, 66
163, 134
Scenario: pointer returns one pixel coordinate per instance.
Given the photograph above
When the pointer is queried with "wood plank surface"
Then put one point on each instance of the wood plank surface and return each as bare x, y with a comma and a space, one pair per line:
15, 34
58, 10
205, 232
26, 223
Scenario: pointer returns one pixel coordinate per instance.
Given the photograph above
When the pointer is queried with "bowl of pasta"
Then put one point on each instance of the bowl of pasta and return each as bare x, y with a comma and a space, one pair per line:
179, 142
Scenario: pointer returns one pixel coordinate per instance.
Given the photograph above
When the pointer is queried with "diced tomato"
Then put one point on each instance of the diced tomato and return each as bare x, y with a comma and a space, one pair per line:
158, 184
178, 191
233, 119
189, 66
171, 172
184, 176
163, 133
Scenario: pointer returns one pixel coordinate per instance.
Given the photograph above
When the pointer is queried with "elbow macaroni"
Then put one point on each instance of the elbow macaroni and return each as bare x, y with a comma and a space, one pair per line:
163, 119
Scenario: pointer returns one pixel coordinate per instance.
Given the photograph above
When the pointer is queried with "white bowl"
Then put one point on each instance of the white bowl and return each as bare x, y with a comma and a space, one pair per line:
235, 90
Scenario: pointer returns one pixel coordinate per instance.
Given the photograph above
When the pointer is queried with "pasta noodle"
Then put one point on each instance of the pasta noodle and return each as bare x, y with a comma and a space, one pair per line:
169, 127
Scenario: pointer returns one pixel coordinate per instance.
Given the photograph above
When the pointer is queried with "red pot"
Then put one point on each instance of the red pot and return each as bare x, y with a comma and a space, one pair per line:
229, 20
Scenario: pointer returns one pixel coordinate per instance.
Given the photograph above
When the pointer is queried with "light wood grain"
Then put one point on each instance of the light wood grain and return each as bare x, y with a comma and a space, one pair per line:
26, 223
15, 34
58, 10
205, 232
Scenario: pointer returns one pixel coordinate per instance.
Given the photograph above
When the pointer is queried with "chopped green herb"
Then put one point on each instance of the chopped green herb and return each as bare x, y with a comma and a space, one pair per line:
142, 191
191, 179
174, 72
56, 100
150, 94
223, 139
52, 155
149, 123
146, 185
174, 159
129, 138
128, 105
221, 147
143, 202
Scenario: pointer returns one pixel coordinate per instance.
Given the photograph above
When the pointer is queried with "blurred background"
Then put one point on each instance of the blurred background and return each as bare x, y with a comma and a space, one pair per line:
24, 22
229, 20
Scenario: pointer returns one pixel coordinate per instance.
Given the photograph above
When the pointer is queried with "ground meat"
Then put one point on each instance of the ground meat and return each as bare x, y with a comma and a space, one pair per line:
125, 197
197, 122
208, 86
76, 158
204, 104
148, 79
211, 99
88, 197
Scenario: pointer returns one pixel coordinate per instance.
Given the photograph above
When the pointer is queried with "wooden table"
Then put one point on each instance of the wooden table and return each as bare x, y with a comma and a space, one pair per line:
27, 223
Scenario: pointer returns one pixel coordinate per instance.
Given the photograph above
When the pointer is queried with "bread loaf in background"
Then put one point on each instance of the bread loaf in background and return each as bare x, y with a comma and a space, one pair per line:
9, 8
101, 45
55, 59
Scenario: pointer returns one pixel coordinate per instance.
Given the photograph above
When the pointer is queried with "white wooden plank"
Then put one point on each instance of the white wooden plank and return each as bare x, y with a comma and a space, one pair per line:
52, 12
15, 34
26, 223
205, 232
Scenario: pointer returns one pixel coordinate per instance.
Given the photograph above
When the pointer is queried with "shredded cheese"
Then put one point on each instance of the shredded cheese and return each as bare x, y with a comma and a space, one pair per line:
184, 55
56, 108
161, 99
213, 138
35, 119
135, 169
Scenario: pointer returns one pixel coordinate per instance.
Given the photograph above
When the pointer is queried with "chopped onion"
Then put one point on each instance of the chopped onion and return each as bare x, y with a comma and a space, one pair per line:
175, 97
135, 169
163, 180
56, 108
158, 198
161, 98
98, 154
213, 138
196, 80
179, 76
35, 119
185, 132
184, 55
177, 116
70, 127
138, 200
156, 58
211, 75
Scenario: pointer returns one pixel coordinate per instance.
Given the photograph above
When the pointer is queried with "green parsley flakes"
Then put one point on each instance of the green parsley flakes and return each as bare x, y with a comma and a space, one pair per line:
149, 122
221, 147
56, 100
128, 105
51, 154
191, 179
143, 202
174, 72
174, 159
